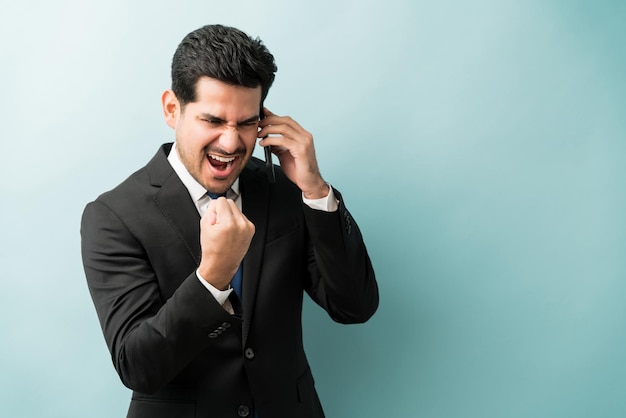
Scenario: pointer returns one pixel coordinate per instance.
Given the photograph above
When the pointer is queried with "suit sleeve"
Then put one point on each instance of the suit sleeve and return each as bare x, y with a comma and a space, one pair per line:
150, 339
342, 279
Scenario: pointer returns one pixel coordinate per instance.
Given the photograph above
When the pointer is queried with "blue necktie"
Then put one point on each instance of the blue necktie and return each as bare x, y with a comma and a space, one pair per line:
235, 283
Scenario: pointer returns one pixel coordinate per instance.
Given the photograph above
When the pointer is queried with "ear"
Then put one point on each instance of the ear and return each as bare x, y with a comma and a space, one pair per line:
171, 108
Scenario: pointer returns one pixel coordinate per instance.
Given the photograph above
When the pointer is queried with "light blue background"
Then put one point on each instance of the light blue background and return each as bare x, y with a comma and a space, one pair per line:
480, 145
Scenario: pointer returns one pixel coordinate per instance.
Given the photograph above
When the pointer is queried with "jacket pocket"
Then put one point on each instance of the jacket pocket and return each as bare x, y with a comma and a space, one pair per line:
307, 396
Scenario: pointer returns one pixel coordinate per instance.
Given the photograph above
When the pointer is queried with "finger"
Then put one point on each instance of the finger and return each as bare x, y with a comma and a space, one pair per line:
288, 131
234, 209
274, 120
211, 214
278, 150
238, 216
222, 209
265, 113
280, 144
235, 215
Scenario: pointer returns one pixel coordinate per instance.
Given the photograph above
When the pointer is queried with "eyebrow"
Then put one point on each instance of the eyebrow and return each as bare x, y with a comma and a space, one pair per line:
211, 117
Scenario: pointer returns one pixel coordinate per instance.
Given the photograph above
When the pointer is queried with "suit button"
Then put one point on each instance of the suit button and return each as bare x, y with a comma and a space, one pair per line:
213, 335
243, 411
249, 353
226, 325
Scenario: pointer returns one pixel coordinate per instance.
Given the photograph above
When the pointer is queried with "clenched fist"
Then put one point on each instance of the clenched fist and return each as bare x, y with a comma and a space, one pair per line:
225, 236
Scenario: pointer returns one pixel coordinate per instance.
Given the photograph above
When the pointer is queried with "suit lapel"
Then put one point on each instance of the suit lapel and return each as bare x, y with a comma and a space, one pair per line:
255, 195
172, 198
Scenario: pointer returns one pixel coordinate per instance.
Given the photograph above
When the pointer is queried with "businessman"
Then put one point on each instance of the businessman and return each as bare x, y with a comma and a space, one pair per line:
198, 262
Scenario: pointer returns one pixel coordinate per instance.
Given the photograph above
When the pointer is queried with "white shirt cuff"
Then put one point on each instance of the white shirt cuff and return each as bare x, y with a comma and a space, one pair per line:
219, 295
327, 204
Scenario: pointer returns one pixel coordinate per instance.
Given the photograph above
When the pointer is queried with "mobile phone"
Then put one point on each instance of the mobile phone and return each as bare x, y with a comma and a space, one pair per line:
269, 165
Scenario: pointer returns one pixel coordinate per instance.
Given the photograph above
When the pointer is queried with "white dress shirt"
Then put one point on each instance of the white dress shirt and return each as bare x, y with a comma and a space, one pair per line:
201, 200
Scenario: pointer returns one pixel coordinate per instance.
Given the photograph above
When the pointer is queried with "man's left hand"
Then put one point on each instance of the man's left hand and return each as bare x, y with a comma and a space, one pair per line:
294, 147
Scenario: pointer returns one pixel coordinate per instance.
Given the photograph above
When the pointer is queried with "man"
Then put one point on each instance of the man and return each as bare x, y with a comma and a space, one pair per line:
200, 297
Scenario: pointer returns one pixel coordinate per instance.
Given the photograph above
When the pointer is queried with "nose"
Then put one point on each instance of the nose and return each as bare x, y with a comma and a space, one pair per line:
229, 139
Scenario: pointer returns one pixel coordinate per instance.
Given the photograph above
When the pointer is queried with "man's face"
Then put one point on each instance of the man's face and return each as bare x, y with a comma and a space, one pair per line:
216, 134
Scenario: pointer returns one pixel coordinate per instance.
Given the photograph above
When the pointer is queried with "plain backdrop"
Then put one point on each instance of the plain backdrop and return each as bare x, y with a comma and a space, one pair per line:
479, 144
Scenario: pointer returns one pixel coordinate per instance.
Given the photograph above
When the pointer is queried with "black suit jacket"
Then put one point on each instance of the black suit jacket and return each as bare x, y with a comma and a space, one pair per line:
170, 340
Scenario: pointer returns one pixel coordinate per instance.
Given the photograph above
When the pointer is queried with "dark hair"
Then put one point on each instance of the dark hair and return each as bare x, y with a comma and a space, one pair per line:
223, 53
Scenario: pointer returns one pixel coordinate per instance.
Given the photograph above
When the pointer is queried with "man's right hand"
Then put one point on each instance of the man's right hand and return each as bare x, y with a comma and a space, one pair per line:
225, 236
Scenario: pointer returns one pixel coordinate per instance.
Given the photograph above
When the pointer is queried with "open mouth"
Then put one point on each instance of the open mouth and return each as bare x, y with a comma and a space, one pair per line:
221, 162
220, 165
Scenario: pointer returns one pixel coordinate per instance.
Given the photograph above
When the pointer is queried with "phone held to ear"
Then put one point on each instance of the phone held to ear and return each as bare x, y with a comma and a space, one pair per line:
269, 165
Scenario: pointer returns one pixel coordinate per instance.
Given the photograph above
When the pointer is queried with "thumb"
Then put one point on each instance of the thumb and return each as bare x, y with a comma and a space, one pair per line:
211, 213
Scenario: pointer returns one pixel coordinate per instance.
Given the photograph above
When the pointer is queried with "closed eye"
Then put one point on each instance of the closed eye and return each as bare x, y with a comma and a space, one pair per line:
215, 121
